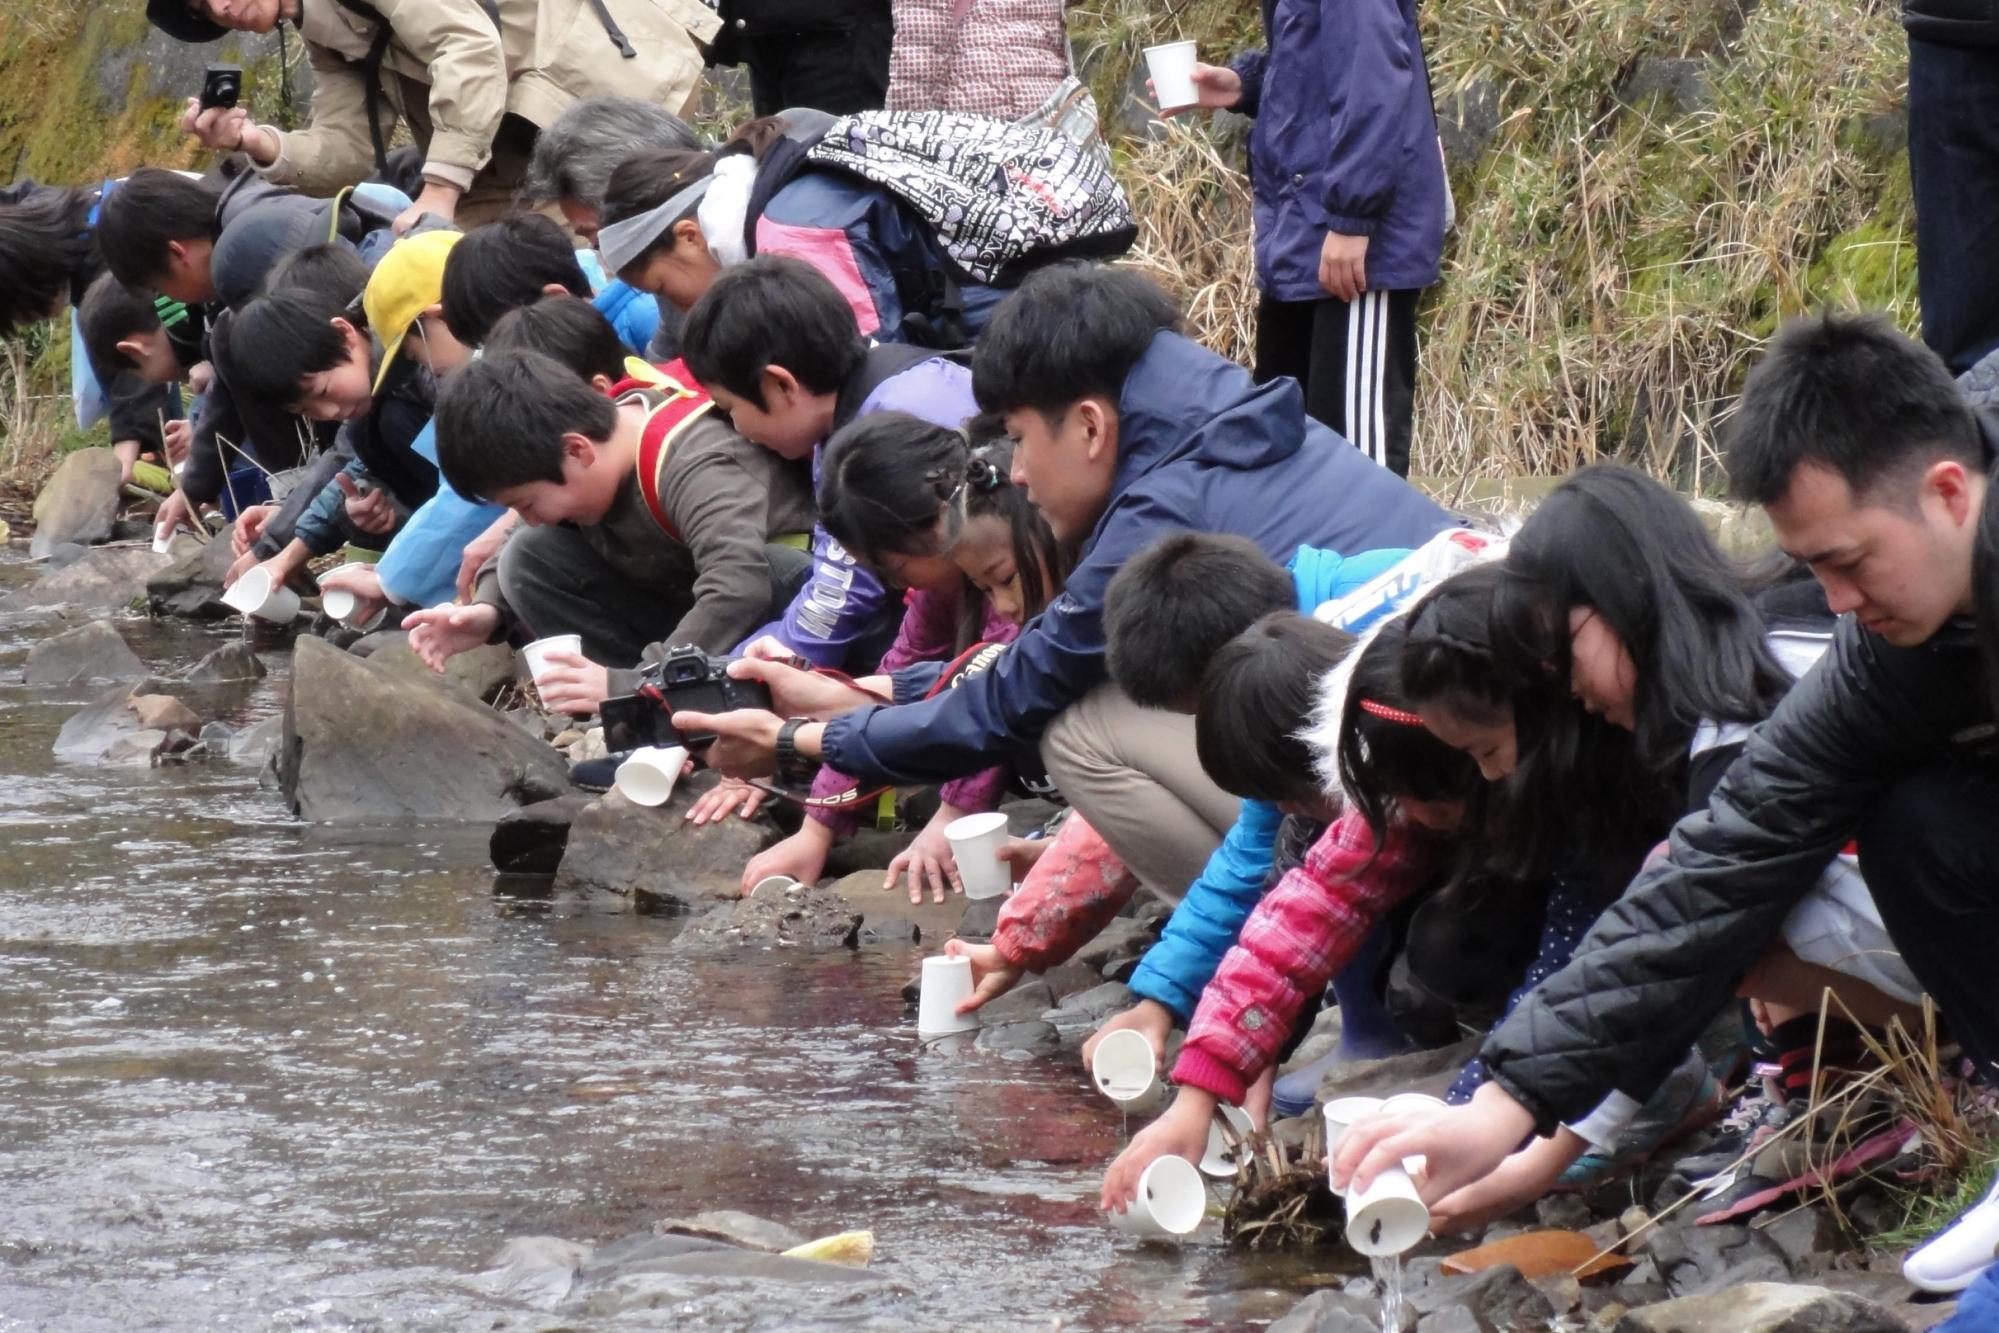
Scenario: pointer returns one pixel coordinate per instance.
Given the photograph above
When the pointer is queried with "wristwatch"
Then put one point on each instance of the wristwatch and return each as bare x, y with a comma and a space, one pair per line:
793, 768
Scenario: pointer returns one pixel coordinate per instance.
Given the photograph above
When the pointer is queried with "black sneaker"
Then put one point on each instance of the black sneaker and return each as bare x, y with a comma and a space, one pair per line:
1748, 1124
598, 774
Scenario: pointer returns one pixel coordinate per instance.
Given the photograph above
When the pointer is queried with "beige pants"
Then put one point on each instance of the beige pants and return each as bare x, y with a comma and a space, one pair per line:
1132, 772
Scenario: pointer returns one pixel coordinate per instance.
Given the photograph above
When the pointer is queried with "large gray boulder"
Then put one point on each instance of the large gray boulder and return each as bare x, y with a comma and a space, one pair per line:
106, 579
653, 856
364, 743
90, 652
1763, 1307
480, 673
79, 503
807, 916
530, 840
191, 585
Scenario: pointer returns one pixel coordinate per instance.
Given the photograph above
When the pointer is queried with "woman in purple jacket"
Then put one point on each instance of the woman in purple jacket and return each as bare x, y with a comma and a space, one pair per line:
1350, 200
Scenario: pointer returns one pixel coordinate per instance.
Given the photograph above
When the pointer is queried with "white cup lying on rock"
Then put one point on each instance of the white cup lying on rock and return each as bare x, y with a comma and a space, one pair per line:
647, 777
774, 886
975, 843
947, 983
256, 594
537, 652
1220, 1159
1126, 1071
1170, 1204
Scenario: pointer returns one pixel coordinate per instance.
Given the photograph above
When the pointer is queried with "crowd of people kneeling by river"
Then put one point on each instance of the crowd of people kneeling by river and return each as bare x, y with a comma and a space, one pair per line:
1587, 787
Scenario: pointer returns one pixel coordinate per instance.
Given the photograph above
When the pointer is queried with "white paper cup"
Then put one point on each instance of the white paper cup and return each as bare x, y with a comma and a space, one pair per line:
255, 595
537, 652
975, 842
775, 886
339, 602
647, 777
163, 541
1220, 1159
947, 983
1420, 1103
1389, 1218
1341, 1115
1170, 1204
1125, 1070
1172, 69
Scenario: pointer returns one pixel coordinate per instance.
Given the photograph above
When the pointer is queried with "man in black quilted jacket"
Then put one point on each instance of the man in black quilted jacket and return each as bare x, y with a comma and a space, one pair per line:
1873, 471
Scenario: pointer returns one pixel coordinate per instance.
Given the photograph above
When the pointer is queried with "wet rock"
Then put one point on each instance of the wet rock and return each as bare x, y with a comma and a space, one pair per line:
254, 745
90, 734
230, 662
870, 850
1563, 1212
90, 652
480, 673
1693, 1260
1085, 1011
1763, 1307
1453, 1319
1067, 978
106, 579
733, 1228
79, 503
889, 930
136, 748
531, 840
361, 742
1500, 1298
191, 586
163, 712
539, 1270
1803, 1233
1029, 1034
217, 738
735, 1274
1415, 1071
1117, 947
653, 856
1028, 999
1337, 1312
807, 917
980, 918
64, 554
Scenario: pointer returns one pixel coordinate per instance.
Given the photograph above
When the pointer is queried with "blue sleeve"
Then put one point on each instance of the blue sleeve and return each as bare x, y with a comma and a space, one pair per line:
838, 605
1249, 68
1570, 914
319, 526
985, 718
1204, 926
1372, 58
420, 568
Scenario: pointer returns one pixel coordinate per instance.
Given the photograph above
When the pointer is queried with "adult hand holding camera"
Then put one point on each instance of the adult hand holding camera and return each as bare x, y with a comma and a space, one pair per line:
798, 693
229, 129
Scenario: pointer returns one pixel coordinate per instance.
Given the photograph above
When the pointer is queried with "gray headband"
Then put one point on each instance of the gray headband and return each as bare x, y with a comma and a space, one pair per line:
622, 242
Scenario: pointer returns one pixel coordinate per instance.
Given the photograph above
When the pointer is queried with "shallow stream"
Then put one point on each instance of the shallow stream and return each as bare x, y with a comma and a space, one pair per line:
258, 1074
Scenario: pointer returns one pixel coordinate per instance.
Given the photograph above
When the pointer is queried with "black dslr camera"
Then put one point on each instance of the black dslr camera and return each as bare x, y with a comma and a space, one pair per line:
687, 678
223, 86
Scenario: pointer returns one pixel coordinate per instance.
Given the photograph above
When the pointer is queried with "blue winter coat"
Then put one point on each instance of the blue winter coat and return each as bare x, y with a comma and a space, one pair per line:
1178, 968
1345, 140
1201, 447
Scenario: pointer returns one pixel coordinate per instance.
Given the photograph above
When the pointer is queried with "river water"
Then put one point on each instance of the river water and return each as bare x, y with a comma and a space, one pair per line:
256, 1074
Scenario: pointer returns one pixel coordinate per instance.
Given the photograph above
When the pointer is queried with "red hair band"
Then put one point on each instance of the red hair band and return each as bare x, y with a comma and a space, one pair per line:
1387, 714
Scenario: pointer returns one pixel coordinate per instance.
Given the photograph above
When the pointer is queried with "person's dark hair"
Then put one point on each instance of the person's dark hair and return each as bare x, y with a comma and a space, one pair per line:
109, 313
275, 342
568, 329
1172, 607
44, 244
330, 271
1613, 540
1383, 753
573, 159
773, 310
501, 419
645, 180
504, 266
1255, 700
1071, 331
1849, 393
1042, 561
145, 211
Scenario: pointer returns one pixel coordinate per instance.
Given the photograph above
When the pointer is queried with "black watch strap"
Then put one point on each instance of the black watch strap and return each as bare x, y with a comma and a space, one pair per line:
793, 768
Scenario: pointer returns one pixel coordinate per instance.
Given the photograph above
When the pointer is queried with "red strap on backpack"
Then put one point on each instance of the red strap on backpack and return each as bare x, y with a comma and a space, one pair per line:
672, 400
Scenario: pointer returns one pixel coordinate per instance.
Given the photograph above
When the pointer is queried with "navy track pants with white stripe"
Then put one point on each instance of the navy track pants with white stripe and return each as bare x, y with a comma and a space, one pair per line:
1355, 361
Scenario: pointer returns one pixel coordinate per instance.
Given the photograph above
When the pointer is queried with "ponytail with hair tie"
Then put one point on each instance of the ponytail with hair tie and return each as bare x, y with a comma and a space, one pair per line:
983, 474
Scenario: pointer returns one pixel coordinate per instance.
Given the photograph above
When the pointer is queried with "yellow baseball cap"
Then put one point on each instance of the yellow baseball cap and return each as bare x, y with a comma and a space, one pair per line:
407, 281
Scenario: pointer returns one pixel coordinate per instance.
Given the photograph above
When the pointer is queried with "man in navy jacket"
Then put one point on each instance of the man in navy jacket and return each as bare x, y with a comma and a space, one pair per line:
1126, 431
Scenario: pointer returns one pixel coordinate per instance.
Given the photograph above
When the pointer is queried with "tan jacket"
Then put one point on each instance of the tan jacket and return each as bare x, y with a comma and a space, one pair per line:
452, 77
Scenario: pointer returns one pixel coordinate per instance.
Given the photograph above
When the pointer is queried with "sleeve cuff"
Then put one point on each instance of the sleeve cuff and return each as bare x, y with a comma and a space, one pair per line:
1197, 1069
1602, 1126
282, 171
447, 173
1348, 225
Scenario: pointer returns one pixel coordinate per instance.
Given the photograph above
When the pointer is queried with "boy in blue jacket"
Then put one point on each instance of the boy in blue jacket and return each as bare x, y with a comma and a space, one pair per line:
1347, 180
1126, 431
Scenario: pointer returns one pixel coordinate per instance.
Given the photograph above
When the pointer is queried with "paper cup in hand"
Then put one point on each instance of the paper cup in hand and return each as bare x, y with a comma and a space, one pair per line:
1172, 69
947, 983
537, 652
163, 540
1341, 1115
1220, 1159
647, 777
1170, 1204
1389, 1217
773, 886
975, 843
1125, 1070
255, 594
